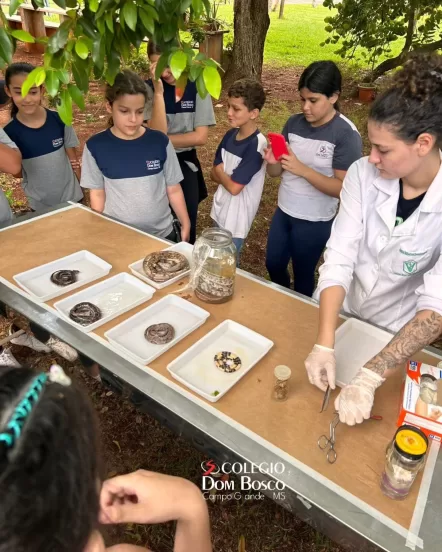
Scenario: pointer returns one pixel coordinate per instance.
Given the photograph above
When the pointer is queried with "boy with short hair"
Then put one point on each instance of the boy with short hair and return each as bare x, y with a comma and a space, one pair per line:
239, 168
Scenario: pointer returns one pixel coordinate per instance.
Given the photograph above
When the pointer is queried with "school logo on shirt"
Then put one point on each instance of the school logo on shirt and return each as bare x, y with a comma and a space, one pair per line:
410, 267
57, 142
154, 165
187, 104
325, 151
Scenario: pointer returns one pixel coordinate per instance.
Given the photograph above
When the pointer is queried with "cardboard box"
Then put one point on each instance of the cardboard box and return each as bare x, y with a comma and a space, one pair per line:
422, 409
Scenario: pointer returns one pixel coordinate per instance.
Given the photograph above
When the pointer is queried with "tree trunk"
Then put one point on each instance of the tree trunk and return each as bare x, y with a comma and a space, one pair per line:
251, 22
281, 9
275, 5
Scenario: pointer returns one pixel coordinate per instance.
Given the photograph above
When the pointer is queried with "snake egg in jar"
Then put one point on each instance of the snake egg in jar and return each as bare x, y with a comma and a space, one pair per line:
214, 266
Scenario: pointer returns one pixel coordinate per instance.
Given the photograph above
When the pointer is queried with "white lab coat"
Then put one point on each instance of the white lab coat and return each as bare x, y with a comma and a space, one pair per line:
389, 273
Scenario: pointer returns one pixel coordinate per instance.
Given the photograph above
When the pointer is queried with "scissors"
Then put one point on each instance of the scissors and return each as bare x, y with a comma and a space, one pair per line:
325, 442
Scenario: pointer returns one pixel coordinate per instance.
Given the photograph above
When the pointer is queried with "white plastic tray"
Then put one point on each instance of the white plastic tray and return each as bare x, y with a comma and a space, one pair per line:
355, 344
113, 297
184, 248
196, 368
181, 314
37, 281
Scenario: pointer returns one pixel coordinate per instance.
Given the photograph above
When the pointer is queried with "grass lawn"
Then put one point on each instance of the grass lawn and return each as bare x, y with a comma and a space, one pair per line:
295, 40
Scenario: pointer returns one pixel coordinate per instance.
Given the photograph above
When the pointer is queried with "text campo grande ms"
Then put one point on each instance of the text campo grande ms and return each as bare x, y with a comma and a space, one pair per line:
215, 487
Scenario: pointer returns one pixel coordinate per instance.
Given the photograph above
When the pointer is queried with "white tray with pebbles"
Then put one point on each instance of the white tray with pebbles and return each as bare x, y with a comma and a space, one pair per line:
182, 315
197, 370
184, 248
113, 297
37, 281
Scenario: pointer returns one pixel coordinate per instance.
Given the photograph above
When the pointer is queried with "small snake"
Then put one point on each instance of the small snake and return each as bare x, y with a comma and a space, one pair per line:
64, 277
159, 334
164, 265
85, 313
227, 362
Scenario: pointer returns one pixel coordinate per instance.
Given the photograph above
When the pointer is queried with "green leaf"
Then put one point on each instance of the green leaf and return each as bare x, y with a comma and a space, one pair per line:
195, 71
163, 62
80, 71
24, 36
88, 27
130, 14
58, 40
52, 83
113, 66
98, 52
185, 5
178, 63
64, 107
63, 76
212, 80
110, 21
147, 21
13, 6
170, 30
93, 5
151, 12
5, 46
40, 76
76, 95
31, 80
81, 48
201, 87
61, 4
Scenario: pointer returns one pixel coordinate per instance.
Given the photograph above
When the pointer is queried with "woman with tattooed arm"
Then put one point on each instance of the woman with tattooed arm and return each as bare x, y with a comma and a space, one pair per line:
383, 261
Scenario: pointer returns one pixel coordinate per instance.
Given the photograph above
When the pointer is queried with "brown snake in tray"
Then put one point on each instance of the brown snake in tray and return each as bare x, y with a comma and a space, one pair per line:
164, 265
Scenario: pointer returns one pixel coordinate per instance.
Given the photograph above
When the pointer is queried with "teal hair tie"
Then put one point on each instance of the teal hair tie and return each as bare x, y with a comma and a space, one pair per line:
22, 410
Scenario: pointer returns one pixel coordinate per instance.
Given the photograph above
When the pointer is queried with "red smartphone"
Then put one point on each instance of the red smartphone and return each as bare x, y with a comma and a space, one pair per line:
279, 146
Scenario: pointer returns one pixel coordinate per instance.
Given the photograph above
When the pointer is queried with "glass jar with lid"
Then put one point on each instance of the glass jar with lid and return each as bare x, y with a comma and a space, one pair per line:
214, 266
405, 457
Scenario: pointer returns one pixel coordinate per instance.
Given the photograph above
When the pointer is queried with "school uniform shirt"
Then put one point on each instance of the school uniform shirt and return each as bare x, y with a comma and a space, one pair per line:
243, 162
388, 271
333, 146
48, 177
5, 209
134, 175
185, 115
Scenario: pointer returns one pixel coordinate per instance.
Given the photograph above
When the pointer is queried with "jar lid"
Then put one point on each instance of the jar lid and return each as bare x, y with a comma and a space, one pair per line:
282, 372
411, 441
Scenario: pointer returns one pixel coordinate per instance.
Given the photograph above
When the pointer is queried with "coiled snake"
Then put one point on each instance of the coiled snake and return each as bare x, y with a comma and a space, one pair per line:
85, 313
164, 265
64, 277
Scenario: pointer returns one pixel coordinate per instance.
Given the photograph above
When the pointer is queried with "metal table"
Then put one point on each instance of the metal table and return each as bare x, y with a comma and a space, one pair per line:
322, 506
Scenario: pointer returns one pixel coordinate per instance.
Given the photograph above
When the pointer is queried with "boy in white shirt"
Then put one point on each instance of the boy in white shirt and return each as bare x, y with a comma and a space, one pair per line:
239, 168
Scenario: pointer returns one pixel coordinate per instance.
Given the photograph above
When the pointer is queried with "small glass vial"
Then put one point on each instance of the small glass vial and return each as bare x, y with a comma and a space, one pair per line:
428, 389
405, 457
281, 386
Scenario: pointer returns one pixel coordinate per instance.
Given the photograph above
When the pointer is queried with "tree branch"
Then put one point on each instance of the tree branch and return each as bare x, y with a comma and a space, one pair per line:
410, 29
392, 63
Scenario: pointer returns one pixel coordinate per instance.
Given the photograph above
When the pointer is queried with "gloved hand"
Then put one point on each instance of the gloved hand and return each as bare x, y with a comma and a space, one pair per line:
355, 401
321, 367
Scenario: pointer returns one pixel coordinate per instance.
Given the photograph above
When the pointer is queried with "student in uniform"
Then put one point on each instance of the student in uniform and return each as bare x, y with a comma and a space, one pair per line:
132, 171
188, 121
10, 162
383, 260
322, 145
239, 166
53, 496
50, 167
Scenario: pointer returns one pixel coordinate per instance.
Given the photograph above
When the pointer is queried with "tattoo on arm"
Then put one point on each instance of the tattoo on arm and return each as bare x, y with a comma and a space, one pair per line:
422, 330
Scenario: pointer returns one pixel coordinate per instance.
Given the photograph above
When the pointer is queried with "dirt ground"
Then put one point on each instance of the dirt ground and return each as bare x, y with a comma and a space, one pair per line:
133, 440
